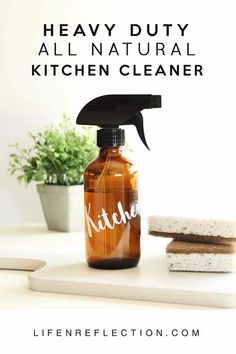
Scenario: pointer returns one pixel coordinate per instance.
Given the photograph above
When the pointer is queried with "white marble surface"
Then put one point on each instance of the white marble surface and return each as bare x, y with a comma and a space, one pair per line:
36, 241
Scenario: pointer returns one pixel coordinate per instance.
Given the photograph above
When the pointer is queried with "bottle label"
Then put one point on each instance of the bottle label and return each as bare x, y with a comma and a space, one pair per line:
104, 220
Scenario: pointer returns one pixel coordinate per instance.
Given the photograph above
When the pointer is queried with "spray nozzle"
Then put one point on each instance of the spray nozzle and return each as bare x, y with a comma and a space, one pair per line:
111, 111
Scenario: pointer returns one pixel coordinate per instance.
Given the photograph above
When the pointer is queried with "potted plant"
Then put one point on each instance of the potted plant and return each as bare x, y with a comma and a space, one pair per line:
57, 159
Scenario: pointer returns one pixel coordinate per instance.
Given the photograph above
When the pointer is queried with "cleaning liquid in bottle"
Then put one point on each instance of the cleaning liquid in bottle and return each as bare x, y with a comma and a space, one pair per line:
112, 217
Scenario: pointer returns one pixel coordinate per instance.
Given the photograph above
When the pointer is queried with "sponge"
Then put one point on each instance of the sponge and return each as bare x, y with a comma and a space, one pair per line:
191, 229
201, 257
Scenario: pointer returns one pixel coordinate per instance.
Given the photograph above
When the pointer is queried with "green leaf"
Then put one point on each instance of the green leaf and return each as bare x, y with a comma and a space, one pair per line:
57, 155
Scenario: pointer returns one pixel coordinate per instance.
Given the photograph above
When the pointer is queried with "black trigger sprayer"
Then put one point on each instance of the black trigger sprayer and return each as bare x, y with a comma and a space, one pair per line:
112, 219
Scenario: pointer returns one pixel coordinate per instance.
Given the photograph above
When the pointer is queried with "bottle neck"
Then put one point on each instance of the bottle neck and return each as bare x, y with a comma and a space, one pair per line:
111, 151
110, 137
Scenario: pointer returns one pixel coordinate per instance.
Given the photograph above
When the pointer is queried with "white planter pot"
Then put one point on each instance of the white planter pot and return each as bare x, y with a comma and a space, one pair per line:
63, 206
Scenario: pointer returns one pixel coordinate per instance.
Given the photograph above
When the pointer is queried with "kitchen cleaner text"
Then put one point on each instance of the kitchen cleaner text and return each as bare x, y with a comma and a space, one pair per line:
158, 50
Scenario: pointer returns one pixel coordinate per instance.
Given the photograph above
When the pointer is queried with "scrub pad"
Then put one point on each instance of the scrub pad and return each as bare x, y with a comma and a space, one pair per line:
194, 230
201, 257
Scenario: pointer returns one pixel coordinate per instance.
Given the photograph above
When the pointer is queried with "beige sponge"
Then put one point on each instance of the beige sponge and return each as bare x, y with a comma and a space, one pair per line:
201, 257
191, 229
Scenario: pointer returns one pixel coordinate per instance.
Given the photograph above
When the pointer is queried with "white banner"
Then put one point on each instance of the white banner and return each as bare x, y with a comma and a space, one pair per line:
116, 331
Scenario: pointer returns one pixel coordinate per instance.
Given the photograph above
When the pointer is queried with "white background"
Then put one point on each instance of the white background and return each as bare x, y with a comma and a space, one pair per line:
191, 167
212, 335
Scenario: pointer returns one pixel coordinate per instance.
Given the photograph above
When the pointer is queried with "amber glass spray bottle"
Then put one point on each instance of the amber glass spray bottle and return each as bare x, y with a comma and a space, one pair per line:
112, 219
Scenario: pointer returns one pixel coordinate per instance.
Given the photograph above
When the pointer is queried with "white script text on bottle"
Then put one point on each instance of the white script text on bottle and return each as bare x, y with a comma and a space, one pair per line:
104, 220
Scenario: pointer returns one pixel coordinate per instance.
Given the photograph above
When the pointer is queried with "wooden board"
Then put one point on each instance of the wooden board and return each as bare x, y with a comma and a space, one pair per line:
60, 267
